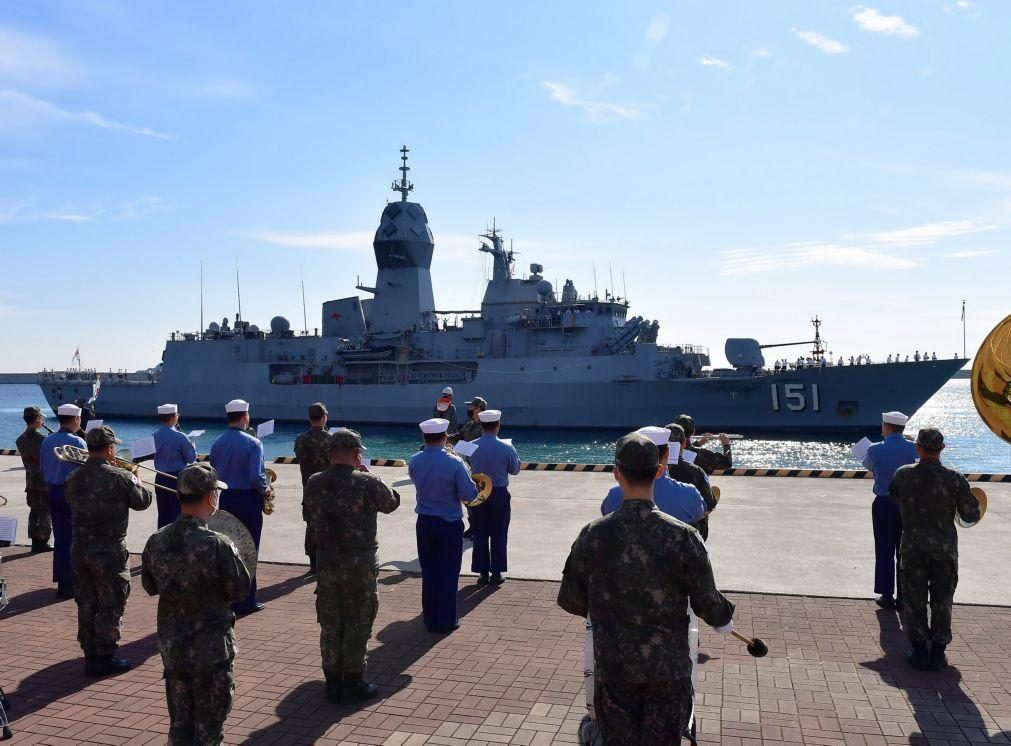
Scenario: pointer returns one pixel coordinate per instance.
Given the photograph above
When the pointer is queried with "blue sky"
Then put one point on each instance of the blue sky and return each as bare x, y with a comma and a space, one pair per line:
743, 165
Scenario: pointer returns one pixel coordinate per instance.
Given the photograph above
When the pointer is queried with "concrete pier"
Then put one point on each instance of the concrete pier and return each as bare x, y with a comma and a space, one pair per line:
792, 536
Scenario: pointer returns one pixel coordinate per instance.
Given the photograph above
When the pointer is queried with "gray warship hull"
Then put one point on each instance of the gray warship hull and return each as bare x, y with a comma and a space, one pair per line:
546, 356
836, 399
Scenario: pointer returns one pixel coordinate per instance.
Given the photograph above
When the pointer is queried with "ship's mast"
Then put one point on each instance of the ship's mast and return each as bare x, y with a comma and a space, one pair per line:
403, 186
818, 350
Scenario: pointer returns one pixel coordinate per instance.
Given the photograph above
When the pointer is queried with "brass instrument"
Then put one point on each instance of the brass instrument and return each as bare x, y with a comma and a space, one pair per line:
716, 493
483, 482
991, 391
980, 496
76, 455
48, 429
716, 436
268, 502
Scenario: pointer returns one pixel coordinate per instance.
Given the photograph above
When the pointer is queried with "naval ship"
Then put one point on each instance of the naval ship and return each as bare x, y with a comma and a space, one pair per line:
547, 357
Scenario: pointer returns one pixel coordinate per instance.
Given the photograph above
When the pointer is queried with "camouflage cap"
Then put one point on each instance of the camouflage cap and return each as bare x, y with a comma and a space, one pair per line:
930, 439
31, 413
346, 438
636, 452
198, 479
100, 437
317, 410
677, 433
687, 424
478, 403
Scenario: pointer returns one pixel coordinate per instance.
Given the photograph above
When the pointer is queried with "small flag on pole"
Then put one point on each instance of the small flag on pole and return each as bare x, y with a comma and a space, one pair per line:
77, 356
963, 310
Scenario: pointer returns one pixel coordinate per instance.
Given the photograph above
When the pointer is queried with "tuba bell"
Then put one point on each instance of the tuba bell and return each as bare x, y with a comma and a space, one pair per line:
483, 482
268, 502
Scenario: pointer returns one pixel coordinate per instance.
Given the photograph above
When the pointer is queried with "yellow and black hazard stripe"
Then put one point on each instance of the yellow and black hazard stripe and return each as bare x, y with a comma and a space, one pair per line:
372, 462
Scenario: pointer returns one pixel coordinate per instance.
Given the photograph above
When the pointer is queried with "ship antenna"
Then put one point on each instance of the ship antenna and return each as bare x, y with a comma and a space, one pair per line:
595, 280
202, 327
624, 287
818, 351
238, 287
403, 186
305, 319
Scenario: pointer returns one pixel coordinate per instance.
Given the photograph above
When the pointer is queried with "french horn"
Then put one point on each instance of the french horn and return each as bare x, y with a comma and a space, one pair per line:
268, 502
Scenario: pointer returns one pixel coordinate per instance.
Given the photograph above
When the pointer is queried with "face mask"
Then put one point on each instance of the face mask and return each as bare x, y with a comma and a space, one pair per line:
214, 503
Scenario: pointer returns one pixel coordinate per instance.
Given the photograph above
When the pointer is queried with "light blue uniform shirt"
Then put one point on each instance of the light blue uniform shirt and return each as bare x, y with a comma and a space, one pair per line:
884, 459
55, 471
676, 499
441, 482
173, 451
238, 459
496, 459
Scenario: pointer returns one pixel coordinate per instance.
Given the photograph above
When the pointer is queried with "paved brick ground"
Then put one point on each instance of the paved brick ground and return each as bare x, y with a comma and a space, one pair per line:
511, 674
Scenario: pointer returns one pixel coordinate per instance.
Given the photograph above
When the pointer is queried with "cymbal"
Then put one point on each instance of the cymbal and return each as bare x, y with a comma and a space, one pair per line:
980, 496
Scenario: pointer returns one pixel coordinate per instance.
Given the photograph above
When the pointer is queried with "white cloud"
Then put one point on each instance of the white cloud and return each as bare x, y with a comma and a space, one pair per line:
761, 53
24, 212
28, 108
871, 20
808, 254
656, 31
970, 254
595, 109
142, 207
707, 60
965, 7
821, 42
35, 59
923, 235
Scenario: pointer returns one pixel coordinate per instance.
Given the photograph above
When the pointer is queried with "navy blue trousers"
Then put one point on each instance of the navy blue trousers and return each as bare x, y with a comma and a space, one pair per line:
61, 535
490, 521
440, 552
247, 506
168, 503
887, 522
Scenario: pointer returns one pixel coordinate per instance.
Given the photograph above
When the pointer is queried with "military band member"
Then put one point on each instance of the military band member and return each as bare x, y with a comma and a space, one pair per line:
29, 444
311, 449
929, 494
682, 501
55, 472
470, 431
101, 497
708, 460
882, 460
173, 453
655, 567
196, 573
445, 409
238, 458
342, 503
689, 473
496, 459
442, 482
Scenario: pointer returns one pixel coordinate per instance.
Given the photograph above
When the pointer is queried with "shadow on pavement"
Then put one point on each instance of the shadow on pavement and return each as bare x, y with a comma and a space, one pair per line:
273, 592
305, 716
943, 710
40, 598
21, 555
65, 678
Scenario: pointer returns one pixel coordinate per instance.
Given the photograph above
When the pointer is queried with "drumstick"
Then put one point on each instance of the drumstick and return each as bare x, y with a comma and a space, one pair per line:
756, 645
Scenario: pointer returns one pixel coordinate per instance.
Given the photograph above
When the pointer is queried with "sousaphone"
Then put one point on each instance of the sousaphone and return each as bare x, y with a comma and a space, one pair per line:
991, 391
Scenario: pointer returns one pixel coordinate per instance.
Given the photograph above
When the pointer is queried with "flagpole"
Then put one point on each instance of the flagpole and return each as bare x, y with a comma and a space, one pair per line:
963, 329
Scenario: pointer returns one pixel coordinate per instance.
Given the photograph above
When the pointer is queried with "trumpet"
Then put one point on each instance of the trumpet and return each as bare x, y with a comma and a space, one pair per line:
714, 436
268, 501
48, 429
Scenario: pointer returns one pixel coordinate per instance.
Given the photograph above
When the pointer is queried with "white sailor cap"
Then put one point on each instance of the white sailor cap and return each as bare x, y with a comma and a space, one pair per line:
659, 436
434, 426
894, 418
448, 391
237, 405
490, 415
168, 409
68, 410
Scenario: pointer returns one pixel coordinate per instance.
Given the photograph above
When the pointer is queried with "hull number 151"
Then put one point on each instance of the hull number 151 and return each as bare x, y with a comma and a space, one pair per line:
795, 397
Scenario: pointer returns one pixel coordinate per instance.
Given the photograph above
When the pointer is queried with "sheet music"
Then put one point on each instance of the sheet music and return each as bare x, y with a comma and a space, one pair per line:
466, 448
673, 453
195, 433
92, 424
689, 456
143, 447
264, 429
859, 449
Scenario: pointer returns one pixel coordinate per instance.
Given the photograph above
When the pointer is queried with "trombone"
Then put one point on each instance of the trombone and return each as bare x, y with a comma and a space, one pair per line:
76, 455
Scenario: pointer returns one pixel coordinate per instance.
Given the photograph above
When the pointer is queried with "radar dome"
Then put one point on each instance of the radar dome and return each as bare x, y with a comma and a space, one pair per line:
279, 325
544, 287
254, 328
214, 327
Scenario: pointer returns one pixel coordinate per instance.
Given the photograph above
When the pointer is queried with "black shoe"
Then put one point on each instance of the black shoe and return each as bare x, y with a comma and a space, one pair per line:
468, 534
312, 566
918, 657
899, 603
355, 688
251, 609
497, 579
938, 660
89, 665
483, 579
886, 602
333, 689
64, 591
41, 546
444, 630
106, 665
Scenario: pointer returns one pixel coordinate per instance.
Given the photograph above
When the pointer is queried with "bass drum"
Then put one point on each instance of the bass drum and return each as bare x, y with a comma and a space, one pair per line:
225, 523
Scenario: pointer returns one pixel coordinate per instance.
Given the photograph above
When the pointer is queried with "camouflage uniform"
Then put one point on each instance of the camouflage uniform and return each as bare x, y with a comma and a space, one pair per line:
709, 461
197, 574
311, 449
694, 475
100, 497
342, 503
470, 430
929, 494
40, 522
634, 572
